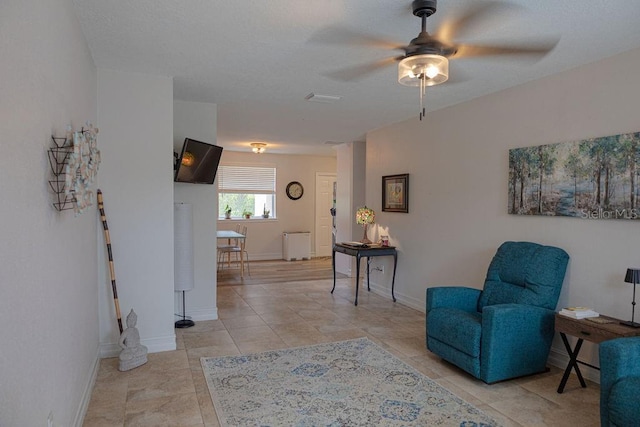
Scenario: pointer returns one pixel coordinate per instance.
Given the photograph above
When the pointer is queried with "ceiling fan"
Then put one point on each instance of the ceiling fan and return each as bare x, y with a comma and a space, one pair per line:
426, 58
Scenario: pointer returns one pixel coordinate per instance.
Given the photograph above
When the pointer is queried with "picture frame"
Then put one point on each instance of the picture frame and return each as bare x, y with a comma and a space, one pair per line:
591, 178
395, 193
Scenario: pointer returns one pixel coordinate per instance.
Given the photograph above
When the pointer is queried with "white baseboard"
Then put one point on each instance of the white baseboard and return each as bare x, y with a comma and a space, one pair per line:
266, 256
154, 345
345, 272
558, 357
385, 291
86, 394
202, 314
271, 256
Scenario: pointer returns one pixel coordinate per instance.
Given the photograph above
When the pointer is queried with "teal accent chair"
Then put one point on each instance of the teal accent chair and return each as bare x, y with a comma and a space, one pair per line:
504, 330
620, 382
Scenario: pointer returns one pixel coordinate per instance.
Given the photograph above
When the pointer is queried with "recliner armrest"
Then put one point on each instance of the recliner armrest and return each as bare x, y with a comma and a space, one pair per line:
498, 317
508, 326
460, 297
516, 340
619, 358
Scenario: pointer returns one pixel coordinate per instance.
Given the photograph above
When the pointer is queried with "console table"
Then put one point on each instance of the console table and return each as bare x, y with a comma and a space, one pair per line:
585, 329
367, 251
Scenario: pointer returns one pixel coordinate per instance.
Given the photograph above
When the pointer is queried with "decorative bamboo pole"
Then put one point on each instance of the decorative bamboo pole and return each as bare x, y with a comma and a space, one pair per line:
107, 239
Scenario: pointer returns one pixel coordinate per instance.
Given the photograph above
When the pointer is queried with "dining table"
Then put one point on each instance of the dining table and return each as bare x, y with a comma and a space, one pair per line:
234, 235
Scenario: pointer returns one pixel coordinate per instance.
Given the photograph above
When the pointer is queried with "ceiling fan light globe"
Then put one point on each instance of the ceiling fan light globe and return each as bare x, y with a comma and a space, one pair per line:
431, 69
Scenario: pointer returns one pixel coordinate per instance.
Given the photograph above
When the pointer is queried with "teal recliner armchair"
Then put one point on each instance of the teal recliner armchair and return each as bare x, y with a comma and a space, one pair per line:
504, 330
620, 382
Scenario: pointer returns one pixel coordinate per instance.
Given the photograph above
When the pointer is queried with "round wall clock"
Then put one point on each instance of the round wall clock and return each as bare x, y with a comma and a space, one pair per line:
294, 190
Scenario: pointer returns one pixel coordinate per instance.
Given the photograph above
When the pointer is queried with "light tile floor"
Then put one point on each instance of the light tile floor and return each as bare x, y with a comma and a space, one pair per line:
170, 390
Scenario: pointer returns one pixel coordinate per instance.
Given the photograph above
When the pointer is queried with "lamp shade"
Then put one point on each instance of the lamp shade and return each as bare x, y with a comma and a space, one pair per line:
183, 279
365, 215
632, 276
423, 70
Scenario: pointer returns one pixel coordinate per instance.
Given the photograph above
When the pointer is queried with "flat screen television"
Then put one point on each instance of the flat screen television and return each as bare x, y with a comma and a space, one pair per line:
198, 162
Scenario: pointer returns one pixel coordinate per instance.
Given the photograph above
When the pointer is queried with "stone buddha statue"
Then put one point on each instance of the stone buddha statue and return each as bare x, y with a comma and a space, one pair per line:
133, 353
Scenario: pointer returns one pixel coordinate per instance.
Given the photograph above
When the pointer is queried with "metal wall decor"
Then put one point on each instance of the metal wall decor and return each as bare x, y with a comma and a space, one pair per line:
58, 158
594, 178
74, 160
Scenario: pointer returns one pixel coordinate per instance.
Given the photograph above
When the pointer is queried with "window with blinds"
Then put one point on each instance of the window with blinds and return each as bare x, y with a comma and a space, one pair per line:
246, 190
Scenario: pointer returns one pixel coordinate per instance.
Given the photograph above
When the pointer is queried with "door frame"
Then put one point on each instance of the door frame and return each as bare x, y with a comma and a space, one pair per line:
317, 239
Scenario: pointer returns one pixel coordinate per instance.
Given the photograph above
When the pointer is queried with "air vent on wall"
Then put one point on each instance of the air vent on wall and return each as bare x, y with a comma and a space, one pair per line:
325, 99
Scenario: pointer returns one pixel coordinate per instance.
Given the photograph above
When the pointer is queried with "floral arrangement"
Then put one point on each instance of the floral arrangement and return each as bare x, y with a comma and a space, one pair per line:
365, 215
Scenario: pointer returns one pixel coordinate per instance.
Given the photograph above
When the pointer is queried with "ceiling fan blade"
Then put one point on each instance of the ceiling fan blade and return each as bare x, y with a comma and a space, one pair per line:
474, 17
532, 50
340, 35
358, 72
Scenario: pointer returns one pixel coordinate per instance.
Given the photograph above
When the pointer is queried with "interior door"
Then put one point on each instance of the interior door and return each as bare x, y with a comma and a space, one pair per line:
324, 220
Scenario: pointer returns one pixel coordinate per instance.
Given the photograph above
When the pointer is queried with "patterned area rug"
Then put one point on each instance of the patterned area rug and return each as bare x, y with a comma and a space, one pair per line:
347, 383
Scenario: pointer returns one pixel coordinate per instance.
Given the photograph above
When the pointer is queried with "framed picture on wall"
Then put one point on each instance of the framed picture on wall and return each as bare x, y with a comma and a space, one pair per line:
395, 193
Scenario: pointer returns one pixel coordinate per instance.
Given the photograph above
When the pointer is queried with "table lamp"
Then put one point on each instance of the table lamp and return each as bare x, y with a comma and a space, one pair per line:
633, 276
365, 216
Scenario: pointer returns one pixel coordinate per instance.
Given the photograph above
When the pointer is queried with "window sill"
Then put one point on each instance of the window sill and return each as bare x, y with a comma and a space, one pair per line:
252, 219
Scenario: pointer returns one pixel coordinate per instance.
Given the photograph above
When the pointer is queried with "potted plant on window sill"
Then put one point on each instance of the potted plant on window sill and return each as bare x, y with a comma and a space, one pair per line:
247, 214
265, 213
227, 212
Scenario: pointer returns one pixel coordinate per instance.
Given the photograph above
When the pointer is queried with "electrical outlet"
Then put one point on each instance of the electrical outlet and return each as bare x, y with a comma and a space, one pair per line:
379, 268
50, 419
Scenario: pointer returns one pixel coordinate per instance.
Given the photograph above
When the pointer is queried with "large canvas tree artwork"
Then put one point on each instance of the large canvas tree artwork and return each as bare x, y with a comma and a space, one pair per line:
593, 178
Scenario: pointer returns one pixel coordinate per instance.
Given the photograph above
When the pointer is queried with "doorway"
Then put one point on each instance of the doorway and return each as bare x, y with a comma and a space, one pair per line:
324, 221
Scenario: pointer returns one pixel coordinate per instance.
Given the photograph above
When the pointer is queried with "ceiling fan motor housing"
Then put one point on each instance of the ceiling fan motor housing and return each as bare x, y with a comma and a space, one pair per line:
424, 44
424, 7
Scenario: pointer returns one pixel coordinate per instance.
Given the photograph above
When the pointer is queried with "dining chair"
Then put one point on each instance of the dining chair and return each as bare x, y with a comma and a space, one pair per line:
223, 249
240, 251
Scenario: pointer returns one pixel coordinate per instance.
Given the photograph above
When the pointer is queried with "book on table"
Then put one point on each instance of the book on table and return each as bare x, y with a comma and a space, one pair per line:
579, 312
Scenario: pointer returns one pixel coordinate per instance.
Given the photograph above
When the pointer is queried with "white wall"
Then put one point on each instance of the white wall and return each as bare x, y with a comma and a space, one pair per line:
264, 236
135, 113
198, 121
458, 165
48, 308
350, 189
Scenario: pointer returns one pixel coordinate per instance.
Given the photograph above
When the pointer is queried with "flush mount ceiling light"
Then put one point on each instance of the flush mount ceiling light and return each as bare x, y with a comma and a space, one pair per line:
258, 147
425, 60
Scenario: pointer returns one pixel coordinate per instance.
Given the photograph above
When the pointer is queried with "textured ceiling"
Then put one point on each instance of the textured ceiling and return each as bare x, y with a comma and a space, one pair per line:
256, 59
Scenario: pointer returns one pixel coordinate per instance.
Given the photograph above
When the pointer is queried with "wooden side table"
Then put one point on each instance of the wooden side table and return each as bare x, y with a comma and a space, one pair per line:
367, 251
585, 329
